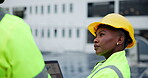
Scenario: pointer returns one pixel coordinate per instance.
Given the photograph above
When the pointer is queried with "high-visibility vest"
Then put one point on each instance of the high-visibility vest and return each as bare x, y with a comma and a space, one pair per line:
19, 55
116, 66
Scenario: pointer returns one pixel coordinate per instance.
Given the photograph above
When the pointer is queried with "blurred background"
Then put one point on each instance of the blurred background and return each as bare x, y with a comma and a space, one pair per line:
59, 28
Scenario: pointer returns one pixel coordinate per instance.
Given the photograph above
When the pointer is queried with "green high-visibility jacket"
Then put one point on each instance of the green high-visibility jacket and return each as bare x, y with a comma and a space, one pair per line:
19, 55
116, 66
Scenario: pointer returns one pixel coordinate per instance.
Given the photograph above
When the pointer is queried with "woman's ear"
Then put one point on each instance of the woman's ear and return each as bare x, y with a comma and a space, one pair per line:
121, 40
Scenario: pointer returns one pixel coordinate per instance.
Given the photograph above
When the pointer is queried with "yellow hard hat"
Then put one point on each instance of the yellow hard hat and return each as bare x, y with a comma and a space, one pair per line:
116, 21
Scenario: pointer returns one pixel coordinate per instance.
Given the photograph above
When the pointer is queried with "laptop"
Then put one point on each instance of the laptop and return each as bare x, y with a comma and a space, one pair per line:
53, 69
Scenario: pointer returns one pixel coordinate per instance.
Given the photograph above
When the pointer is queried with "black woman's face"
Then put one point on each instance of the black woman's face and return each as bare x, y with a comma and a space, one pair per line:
105, 41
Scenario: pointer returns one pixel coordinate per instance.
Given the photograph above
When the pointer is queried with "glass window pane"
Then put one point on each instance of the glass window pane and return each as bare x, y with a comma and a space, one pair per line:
63, 8
63, 33
48, 8
134, 7
36, 32
55, 8
48, 34
55, 32
100, 8
42, 32
30, 10
19, 11
78, 33
42, 9
71, 7
70, 34
36, 9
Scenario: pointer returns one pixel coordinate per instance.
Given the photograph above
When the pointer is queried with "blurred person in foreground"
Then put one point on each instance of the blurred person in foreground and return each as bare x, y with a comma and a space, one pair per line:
113, 34
19, 55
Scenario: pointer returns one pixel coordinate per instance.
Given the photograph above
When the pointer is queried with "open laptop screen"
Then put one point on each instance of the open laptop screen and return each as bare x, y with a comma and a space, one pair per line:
53, 69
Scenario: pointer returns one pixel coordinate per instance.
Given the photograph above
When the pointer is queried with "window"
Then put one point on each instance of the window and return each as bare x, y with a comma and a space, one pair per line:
36, 9
19, 11
80, 69
144, 33
100, 8
78, 33
42, 32
142, 47
48, 33
90, 37
48, 8
36, 32
63, 8
55, 8
72, 68
71, 7
63, 33
70, 33
55, 32
30, 10
133, 7
42, 9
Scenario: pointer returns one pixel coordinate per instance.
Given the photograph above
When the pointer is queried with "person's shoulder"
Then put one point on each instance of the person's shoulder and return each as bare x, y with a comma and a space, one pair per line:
14, 17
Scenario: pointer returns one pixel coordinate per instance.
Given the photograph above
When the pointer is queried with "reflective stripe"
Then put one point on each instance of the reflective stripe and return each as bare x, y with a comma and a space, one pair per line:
112, 67
43, 74
1, 15
96, 67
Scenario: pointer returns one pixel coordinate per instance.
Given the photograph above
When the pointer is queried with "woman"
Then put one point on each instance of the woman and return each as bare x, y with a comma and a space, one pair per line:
113, 34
